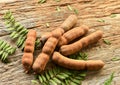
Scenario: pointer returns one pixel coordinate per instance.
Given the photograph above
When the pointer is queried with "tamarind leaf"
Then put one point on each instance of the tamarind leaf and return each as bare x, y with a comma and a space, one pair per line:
7, 45
19, 28
69, 7
75, 80
73, 83
67, 82
82, 74
1, 52
17, 25
7, 15
12, 34
13, 50
113, 15
76, 11
1, 42
8, 49
58, 8
41, 1
43, 77
53, 82
60, 76
106, 41
56, 80
11, 29
47, 75
115, 59
15, 36
3, 45
34, 82
5, 56
57, 0
51, 73
40, 79
47, 25
109, 81
63, 74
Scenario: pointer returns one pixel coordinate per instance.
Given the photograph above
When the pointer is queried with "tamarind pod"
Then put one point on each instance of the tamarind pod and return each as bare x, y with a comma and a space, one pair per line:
77, 64
69, 22
32, 33
40, 62
67, 62
27, 61
78, 45
50, 45
73, 34
94, 64
56, 33
27, 58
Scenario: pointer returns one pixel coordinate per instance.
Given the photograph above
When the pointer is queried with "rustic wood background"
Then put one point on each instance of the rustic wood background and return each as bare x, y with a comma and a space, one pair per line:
34, 16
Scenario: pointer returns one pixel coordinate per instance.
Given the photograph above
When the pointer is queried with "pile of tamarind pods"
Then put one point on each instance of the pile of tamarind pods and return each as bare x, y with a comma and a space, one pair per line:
61, 38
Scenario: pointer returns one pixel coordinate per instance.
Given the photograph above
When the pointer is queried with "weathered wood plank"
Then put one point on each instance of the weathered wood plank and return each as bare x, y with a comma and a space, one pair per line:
34, 16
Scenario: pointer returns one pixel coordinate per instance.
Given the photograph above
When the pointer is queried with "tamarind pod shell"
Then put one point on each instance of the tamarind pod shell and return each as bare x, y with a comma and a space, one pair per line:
50, 45
67, 62
70, 49
40, 62
27, 60
30, 42
69, 22
31, 33
29, 49
73, 34
94, 64
57, 33
78, 45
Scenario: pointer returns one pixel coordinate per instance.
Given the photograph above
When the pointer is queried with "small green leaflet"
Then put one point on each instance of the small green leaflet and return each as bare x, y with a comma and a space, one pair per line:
106, 41
109, 81
115, 59
69, 7
113, 15
34, 81
57, 0
47, 25
101, 20
58, 9
76, 11
41, 1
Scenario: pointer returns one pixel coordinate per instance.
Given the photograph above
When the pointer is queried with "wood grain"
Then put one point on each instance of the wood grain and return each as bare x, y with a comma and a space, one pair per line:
34, 16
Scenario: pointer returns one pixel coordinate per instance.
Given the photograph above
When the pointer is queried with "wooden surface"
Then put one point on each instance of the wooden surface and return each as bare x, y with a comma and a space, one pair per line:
34, 16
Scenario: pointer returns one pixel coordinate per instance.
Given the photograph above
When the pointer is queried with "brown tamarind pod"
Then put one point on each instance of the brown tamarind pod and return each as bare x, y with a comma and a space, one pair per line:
67, 62
27, 59
40, 62
50, 45
47, 51
72, 34
77, 64
78, 45
66, 25
94, 64
69, 22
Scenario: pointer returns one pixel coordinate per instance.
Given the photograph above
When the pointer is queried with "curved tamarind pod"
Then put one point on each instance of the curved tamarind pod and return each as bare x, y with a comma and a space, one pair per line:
47, 50
67, 62
27, 59
69, 22
66, 25
94, 64
77, 64
72, 34
40, 62
78, 45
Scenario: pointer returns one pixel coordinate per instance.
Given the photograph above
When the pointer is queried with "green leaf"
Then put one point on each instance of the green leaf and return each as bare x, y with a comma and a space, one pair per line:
101, 20
57, 0
12, 34
51, 73
1, 42
69, 7
43, 77
106, 41
1, 52
20, 28
3, 45
60, 76
6, 46
47, 25
109, 81
113, 15
76, 11
53, 82
47, 75
56, 80
34, 81
115, 59
13, 50
58, 8
40, 79
41, 1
